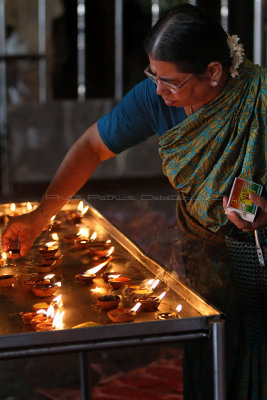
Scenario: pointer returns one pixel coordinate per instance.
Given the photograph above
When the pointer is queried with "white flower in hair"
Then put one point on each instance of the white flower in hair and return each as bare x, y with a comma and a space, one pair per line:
237, 54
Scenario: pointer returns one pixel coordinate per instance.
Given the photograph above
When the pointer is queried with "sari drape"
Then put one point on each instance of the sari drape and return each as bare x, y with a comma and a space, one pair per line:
224, 139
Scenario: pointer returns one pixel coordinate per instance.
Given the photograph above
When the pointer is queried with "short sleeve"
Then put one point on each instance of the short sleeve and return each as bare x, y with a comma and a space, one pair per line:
130, 122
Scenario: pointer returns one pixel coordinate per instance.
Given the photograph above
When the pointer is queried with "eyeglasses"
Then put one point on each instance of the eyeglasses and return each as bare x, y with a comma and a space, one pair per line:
173, 88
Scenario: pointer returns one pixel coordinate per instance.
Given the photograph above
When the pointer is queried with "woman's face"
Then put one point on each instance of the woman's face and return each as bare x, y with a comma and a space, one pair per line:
195, 89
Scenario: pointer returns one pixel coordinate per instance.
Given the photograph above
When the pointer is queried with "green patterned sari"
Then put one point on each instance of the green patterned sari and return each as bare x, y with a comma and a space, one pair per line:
224, 139
201, 157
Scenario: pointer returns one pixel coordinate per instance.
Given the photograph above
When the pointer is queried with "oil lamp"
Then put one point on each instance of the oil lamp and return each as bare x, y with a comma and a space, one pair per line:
7, 280
151, 303
119, 281
108, 302
48, 249
13, 254
75, 216
123, 314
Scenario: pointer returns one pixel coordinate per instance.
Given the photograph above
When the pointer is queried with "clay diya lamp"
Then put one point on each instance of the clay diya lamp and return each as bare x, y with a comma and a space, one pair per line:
108, 302
73, 216
13, 254
150, 303
138, 292
53, 260
48, 250
99, 248
121, 315
106, 275
28, 316
99, 260
167, 315
117, 283
88, 279
45, 266
7, 280
39, 319
82, 244
29, 283
55, 225
44, 326
71, 238
44, 289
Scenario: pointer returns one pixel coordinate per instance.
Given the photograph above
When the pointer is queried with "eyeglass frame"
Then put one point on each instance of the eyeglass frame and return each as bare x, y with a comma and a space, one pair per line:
173, 88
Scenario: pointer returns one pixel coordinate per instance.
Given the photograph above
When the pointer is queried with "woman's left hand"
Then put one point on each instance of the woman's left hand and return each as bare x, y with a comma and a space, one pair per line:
260, 220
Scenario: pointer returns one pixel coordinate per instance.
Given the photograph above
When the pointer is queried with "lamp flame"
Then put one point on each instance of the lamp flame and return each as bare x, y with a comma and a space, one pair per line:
136, 307
4, 256
94, 270
55, 236
110, 252
50, 276
41, 312
108, 241
84, 210
58, 284
29, 206
179, 308
163, 294
58, 320
83, 232
50, 312
93, 237
98, 290
155, 284
57, 301
49, 244
80, 206
113, 276
52, 219
13, 207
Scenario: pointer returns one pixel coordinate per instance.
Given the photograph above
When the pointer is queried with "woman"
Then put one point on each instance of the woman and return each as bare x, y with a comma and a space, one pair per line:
208, 107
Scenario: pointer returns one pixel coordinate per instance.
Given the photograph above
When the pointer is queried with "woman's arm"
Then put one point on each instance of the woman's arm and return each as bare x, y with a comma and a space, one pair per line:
77, 166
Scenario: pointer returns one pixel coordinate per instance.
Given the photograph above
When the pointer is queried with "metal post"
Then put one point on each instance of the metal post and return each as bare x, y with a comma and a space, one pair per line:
257, 34
224, 14
155, 11
218, 349
4, 156
118, 50
81, 89
85, 383
42, 49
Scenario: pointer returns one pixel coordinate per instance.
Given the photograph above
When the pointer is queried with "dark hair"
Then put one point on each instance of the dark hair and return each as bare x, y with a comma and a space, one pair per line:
187, 36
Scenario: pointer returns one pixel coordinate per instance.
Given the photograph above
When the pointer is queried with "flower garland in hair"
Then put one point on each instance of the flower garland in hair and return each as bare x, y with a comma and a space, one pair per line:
237, 54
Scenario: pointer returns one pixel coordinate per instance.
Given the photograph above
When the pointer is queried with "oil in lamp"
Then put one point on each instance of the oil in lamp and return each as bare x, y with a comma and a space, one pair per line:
123, 314
55, 261
71, 238
7, 280
171, 315
44, 289
40, 306
108, 302
111, 274
45, 266
82, 241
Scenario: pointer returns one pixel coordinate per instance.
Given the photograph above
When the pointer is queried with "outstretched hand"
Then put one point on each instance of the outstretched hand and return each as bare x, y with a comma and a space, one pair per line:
260, 220
24, 228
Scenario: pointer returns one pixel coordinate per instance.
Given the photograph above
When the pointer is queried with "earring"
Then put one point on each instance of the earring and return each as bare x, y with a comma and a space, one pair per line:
214, 83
